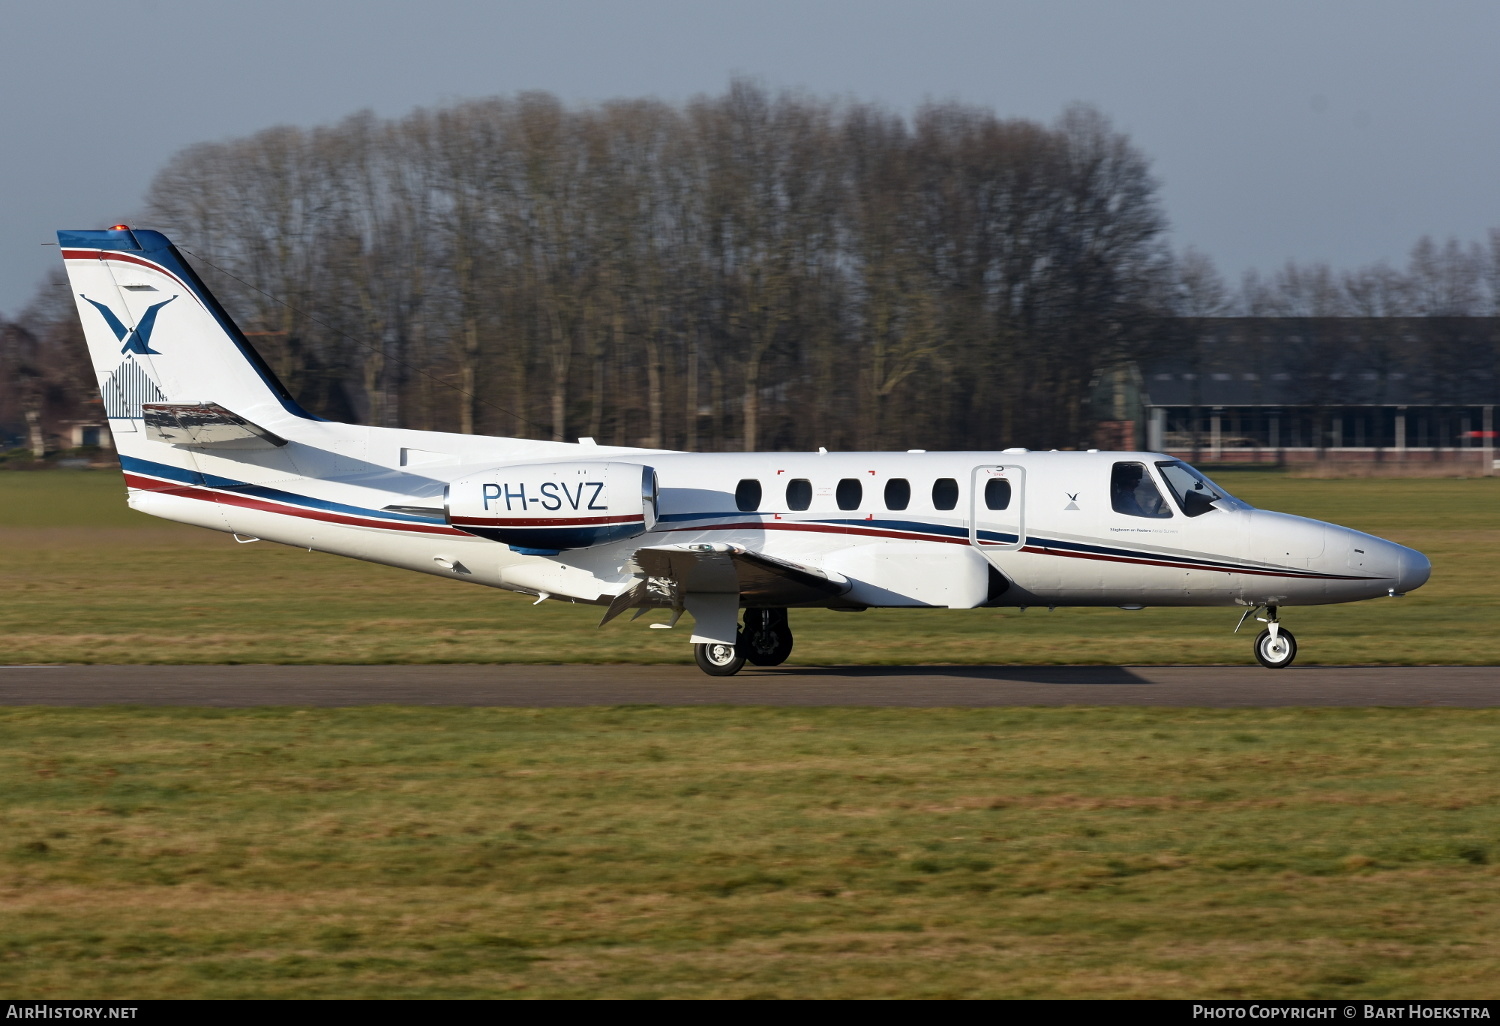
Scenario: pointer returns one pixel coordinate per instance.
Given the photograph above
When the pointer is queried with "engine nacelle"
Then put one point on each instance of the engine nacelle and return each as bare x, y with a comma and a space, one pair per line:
543, 508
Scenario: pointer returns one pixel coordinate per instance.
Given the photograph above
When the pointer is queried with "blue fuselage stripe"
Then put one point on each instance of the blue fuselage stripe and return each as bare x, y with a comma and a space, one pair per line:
947, 531
737, 521
139, 466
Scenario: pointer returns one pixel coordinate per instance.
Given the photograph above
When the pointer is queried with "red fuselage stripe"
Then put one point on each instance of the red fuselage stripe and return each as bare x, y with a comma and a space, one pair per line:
1033, 549
1296, 575
867, 532
546, 521
248, 502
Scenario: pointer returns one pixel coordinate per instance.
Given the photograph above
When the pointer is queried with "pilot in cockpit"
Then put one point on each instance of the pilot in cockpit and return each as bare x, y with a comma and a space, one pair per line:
1133, 493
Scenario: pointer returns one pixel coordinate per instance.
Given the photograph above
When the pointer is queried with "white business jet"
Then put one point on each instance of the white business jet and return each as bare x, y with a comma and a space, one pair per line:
207, 436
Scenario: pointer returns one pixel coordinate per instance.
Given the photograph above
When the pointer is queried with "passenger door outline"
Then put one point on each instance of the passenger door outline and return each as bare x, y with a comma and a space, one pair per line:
1011, 520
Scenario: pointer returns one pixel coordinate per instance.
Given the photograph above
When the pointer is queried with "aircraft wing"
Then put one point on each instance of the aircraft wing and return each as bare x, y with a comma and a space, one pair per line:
667, 575
205, 426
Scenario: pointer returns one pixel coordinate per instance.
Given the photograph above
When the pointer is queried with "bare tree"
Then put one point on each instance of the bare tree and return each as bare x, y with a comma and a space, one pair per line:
806, 271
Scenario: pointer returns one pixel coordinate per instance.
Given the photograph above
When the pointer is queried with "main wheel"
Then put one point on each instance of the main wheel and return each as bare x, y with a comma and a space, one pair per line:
718, 659
766, 638
1274, 655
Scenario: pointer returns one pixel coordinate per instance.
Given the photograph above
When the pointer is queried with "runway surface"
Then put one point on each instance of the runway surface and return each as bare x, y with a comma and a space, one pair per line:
512, 685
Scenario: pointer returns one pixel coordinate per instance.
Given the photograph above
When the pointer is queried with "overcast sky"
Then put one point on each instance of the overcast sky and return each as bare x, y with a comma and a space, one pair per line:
1337, 131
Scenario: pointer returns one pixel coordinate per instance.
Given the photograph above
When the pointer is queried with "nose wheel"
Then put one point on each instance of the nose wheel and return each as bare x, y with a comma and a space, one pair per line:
1275, 651
1275, 647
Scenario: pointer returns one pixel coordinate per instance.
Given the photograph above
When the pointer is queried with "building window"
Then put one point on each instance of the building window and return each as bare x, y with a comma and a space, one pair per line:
1132, 492
850, 493
798, 493
747, 495
944, 493
897, 493
997, 493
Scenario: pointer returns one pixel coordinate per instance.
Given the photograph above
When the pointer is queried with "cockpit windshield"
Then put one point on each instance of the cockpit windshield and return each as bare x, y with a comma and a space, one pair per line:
1194, 493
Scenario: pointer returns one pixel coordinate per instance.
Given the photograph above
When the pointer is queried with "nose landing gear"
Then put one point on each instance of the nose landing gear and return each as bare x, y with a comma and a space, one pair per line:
1275, 647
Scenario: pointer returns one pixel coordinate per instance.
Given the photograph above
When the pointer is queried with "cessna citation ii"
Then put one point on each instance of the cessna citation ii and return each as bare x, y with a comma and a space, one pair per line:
207, 435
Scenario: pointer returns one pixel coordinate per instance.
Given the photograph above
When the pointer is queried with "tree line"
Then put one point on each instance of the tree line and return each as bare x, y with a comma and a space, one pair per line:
753, 270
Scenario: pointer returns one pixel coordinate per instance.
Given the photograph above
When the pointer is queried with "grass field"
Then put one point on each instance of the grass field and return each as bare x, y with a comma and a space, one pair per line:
695, 852
88, 580
646, 852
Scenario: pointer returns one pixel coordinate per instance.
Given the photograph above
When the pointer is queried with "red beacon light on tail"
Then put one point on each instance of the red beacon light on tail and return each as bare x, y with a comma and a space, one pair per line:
119, 227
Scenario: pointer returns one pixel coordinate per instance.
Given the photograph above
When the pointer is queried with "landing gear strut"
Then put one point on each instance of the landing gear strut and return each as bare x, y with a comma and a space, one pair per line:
1276, 647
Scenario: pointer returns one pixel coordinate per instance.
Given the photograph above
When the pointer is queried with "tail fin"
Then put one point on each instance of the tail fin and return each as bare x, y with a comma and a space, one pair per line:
157, 335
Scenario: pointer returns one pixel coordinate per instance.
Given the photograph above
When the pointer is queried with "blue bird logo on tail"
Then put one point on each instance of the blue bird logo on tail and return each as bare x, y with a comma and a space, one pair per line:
139, 337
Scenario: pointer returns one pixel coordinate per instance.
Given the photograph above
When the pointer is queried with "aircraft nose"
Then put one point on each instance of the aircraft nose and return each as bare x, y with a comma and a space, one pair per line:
1415, 569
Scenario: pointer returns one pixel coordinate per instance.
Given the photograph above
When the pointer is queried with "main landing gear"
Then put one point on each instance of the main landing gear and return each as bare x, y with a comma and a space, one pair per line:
718, 659
764, 640
1275, 647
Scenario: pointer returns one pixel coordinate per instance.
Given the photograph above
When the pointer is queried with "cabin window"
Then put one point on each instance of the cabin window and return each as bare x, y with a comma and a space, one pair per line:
798, 493
944, 493
747, 495
897, 493
1132, 492
850, 493
997, 493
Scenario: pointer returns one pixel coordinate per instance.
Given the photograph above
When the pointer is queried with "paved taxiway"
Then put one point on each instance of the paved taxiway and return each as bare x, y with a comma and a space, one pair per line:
1222, 686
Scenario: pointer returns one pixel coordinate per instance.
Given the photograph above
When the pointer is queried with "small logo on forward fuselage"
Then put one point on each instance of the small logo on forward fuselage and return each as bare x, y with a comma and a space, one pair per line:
137, 339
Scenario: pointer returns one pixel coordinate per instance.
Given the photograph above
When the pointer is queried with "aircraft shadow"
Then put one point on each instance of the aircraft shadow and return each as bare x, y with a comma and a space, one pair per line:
1019, 674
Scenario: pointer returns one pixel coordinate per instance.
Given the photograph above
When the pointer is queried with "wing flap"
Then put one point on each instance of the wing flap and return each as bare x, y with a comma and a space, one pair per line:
666, 575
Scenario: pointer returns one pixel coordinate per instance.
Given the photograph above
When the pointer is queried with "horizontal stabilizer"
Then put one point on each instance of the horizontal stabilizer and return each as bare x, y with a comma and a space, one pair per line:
668, 574
204, 426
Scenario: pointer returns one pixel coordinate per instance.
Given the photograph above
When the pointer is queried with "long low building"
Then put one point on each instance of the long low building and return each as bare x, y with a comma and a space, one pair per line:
1292, 390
